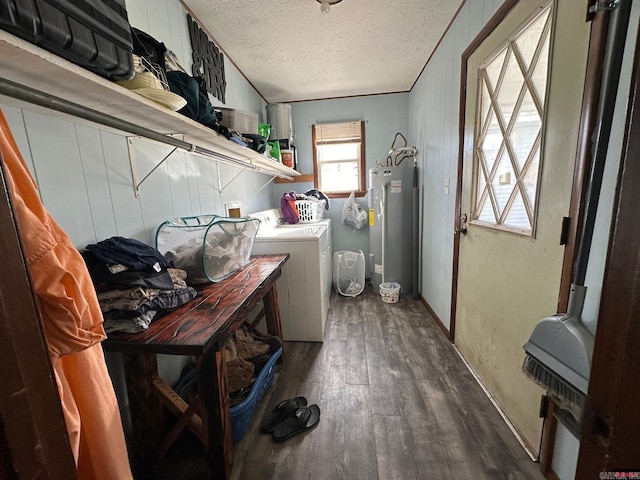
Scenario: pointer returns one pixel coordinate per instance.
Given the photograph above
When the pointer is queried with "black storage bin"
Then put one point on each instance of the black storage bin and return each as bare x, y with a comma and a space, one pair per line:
94, 34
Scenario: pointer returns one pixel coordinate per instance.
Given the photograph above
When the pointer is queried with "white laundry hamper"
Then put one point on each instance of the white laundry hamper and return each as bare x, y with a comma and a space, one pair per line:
348, 272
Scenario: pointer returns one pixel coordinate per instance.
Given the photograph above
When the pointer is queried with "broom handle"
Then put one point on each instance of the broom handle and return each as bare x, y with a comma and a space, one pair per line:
576, 301
614, 50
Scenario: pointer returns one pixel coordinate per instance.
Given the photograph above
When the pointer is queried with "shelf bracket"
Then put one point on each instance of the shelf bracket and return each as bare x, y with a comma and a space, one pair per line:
220, 187
134, 166
268, 182
66, 106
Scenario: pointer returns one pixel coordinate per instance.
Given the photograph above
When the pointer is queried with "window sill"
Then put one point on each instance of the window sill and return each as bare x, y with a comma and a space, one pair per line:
308, 178
359, 193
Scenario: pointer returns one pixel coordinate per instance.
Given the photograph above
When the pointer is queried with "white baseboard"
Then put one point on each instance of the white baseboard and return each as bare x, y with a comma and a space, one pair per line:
532, 454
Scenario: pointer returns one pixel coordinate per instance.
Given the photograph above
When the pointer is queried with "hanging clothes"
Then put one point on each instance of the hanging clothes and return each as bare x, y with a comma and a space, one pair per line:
73, 327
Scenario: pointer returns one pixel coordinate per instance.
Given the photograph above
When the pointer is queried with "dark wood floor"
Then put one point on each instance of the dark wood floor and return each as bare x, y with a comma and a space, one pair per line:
397, 403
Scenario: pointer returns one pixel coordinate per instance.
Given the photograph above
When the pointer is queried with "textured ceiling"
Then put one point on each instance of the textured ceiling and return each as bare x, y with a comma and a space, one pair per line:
289, 51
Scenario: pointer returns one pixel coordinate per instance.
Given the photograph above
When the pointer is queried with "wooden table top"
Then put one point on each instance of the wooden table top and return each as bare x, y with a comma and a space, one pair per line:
207, 320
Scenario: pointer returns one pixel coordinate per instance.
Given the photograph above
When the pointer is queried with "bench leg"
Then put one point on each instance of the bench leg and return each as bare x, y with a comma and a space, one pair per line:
212, 383
147, 416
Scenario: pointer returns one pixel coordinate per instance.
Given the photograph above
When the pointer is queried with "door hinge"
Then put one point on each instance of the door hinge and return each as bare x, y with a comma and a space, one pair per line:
594, 6
564, 233
544, 405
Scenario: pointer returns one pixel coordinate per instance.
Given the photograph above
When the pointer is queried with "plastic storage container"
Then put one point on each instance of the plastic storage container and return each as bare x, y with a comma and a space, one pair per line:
310, 211
348, 272
93, 34
208, 247
242, 413
390, 292
239, 121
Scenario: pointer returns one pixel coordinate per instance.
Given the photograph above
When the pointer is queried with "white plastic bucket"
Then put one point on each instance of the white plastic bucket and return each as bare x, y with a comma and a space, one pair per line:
390, 292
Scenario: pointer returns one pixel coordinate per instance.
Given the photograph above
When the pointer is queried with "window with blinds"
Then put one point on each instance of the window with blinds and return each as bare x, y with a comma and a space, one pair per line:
338, 157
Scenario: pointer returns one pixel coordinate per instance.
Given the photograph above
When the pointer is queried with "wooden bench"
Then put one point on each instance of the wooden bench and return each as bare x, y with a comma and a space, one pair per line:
200, 328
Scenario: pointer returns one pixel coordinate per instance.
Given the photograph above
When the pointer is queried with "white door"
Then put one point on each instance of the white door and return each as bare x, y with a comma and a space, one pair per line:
524, 91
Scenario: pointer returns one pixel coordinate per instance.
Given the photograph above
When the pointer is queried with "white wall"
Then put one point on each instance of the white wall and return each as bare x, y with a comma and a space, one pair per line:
384, 116
434, 114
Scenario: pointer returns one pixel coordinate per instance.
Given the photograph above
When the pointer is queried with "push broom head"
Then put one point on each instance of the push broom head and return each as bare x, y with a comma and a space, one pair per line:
558, 353
550, 381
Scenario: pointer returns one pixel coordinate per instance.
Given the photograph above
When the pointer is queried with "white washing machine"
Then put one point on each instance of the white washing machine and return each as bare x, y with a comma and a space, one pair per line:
304, 287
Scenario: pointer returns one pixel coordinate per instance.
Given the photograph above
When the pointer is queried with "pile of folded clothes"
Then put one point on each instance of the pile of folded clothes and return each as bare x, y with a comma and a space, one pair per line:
135, 283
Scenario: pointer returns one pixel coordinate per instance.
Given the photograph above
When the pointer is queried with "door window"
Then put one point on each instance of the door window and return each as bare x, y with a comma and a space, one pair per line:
507, 143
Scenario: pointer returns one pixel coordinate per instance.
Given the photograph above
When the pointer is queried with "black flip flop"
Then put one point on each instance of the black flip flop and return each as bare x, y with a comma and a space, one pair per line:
300, 420
280, 412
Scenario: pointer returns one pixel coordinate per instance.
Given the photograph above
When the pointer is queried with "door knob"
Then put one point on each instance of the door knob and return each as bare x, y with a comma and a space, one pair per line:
462, 228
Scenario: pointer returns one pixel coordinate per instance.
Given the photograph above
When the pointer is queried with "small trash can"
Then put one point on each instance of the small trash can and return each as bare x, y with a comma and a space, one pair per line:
390, 292
348, 272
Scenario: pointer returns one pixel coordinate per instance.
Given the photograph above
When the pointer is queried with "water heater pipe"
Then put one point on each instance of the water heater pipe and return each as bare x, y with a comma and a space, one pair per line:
384, 224
416, 234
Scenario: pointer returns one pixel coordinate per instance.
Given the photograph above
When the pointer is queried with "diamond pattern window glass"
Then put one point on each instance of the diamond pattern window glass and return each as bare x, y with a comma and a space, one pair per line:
511, 94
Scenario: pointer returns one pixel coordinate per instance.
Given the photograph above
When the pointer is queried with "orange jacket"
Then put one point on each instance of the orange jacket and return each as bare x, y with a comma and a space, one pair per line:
73, 326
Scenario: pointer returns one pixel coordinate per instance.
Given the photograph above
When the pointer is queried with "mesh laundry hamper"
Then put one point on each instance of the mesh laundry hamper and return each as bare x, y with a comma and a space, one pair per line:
348, 272
208, 247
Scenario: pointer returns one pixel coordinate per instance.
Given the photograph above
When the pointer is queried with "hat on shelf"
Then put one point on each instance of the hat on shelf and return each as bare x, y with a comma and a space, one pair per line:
146, 83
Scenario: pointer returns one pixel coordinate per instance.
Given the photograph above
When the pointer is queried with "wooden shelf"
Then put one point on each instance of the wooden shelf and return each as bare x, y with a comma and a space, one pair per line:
302, 178
26, 64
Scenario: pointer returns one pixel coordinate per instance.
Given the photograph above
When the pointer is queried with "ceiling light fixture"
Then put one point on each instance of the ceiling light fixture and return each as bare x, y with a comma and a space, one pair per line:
325, 5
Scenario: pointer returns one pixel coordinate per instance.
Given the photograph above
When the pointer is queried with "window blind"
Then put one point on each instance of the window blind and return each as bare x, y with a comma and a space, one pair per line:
335, 133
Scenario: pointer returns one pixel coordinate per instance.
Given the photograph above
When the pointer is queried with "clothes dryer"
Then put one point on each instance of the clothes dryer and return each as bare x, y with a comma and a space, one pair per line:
304, 288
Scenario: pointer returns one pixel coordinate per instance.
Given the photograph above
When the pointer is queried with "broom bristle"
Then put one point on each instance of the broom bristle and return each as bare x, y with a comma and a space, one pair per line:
549, 380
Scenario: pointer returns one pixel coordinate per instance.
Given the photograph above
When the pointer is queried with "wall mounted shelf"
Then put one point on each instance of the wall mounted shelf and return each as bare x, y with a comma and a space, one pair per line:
31, 76
304, 177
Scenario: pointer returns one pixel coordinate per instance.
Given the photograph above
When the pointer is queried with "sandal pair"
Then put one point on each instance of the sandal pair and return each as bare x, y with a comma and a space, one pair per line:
289, 418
